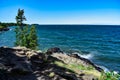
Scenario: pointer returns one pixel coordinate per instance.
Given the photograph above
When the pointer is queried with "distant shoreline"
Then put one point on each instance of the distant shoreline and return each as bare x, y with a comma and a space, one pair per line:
72, 25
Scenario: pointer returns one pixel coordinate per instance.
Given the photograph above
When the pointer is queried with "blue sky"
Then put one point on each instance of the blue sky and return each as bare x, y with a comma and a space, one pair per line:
63, 11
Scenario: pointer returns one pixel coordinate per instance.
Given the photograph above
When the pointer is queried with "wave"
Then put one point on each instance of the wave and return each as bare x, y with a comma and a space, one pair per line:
87, 56
11, 29
104, 68
90, 56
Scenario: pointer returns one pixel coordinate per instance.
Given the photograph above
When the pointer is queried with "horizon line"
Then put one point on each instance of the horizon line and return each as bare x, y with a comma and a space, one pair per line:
64, 24
78, 24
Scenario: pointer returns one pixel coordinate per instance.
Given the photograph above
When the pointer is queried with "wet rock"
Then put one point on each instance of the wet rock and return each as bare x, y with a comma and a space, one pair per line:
74, 55
54, 50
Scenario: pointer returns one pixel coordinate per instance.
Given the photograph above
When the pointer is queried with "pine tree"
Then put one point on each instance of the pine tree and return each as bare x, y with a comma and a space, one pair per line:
18, 41
32, 37
25, 36
20, 18
19, 29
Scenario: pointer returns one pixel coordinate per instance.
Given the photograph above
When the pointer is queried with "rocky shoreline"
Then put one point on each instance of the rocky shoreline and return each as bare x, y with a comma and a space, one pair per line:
20, 63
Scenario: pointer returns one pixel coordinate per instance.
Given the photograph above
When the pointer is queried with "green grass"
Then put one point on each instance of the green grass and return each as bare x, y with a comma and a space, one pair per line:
77, 68
74, 66
110, 76
81, 67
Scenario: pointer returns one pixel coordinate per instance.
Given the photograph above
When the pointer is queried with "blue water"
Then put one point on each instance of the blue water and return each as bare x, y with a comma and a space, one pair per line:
100, 44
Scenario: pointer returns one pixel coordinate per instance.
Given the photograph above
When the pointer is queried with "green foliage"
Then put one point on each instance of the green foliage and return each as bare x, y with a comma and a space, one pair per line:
25, 36
20, 18
5, 25
110, 76
18, 33
21, 36
75, 67
32, 37
1, 27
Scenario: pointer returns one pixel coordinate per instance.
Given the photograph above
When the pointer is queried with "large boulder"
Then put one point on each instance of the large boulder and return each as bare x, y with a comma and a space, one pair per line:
54, 50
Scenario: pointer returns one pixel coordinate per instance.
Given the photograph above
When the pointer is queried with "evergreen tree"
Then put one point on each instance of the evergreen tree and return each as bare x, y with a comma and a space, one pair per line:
19, 29
32, 37
18, 33
25, 36
20, 18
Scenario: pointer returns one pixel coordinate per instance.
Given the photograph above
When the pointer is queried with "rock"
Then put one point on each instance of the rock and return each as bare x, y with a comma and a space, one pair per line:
26, 64
89, 77
86, 62
38, 59
4, 29
2, 67
68, 76
13, 62
3, 75
74, 55
54, 50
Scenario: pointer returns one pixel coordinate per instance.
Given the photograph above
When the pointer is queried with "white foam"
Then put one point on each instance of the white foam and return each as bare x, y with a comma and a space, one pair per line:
87, 56
105, 69
10, 29
115, 72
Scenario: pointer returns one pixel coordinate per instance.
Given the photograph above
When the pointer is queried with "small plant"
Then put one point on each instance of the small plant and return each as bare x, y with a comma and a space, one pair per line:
110, 76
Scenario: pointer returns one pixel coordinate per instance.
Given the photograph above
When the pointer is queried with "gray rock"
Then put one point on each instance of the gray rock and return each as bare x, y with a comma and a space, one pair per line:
54, 50
4, 29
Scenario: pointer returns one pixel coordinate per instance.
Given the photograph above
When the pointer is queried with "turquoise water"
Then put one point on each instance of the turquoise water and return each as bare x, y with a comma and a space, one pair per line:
101, 44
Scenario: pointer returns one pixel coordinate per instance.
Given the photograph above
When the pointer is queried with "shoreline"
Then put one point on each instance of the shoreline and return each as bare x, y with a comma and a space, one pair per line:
24, 63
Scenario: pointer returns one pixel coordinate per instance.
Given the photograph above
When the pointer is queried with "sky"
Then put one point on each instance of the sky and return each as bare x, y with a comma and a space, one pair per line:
104, 12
